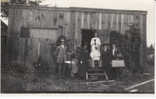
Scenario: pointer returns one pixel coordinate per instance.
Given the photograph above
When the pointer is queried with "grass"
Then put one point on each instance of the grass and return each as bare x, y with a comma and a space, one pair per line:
18, 78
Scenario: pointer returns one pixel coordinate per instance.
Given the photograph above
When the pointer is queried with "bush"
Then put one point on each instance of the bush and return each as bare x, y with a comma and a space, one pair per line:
18, 69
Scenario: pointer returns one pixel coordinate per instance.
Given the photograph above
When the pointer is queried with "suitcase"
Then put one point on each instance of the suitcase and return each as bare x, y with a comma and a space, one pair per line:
118, 63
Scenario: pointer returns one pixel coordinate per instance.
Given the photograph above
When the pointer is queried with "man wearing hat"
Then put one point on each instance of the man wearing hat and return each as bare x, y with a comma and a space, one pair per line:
61, 57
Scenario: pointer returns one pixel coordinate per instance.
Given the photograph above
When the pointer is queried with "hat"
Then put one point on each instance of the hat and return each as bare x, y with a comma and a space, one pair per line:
62, 40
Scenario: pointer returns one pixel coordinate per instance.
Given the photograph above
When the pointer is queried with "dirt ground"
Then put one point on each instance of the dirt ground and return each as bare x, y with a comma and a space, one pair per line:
30, 82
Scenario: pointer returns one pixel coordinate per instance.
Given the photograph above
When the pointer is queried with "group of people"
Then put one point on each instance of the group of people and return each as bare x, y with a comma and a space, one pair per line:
68, 62
81, 58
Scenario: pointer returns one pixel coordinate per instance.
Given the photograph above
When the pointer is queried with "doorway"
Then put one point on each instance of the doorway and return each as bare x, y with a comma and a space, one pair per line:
86, 36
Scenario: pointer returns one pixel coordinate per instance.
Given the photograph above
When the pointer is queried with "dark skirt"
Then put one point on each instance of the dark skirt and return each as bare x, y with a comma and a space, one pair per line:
83, 69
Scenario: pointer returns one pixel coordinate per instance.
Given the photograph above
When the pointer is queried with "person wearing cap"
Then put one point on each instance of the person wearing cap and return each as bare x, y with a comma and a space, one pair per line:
61, 57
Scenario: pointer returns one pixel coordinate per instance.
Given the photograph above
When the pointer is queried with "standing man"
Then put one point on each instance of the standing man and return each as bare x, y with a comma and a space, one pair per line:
61, 57
95, 50
135, 41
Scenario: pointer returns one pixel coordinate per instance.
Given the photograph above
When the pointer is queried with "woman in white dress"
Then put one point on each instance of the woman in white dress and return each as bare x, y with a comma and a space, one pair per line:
95, 50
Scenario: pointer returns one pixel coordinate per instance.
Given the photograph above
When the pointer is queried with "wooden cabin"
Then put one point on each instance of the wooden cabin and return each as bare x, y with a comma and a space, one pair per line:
34, 30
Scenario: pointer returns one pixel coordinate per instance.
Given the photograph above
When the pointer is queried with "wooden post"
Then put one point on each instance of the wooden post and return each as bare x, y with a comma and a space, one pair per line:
143, 44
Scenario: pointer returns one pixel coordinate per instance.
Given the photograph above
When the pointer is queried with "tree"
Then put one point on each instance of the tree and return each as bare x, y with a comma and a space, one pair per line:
4, 9
4, 5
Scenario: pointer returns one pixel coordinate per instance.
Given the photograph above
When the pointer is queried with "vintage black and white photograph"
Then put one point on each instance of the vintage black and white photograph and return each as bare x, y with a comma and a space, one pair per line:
77, 46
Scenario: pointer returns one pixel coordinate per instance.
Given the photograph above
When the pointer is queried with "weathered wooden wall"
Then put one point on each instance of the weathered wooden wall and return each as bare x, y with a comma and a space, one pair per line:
41, 32
40, 23
106, 20
41, 18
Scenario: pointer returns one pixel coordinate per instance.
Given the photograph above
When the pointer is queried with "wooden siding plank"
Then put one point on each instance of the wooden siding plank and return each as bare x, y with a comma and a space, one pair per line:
88, 20
109, 22
11, 22
78, 41
100, 21
66, 24
96, 21
142, 52
92, 21
15, 22
76, 26
126, 23
82, 20
117, 22
104, 21
85, 21
114, 22
122, 24
72, 26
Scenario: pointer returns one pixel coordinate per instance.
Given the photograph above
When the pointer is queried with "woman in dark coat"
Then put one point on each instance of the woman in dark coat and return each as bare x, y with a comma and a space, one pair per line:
83, 61
106, 59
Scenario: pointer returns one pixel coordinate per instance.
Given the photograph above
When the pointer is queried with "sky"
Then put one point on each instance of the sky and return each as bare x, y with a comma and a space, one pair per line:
146, 5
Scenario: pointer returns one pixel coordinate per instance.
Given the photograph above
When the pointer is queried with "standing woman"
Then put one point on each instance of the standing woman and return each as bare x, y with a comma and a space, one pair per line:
106, 59
83, 58
61, 57
95, 50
